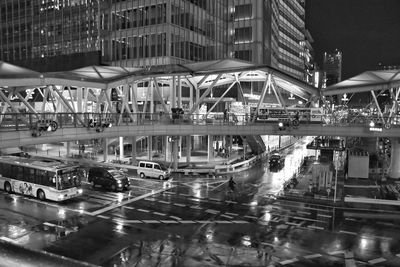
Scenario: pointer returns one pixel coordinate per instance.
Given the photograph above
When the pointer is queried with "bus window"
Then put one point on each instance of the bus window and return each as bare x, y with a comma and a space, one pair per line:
29, 174
19, 172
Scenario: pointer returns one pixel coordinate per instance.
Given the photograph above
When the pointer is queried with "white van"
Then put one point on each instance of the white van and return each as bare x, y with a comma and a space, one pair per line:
152, 169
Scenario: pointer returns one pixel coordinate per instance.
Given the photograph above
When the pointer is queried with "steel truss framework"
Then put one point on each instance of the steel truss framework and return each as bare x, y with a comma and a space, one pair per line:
73, 91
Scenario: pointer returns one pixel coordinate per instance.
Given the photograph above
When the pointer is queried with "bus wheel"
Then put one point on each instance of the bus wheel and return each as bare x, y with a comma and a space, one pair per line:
142, 175
161, 177
7, 187
41, 195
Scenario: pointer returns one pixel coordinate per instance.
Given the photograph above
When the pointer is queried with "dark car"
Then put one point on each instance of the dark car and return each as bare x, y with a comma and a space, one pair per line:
276, 161
108, 178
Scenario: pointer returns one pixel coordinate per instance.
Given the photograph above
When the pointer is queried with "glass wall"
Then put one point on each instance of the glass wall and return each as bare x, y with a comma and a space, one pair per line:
31, 29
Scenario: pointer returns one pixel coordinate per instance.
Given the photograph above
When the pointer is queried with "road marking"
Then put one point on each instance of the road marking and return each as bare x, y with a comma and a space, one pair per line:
159, 213
129, 208
179, 205
377, 260
239, 221
204, 221
307, 219
53, 225
168, 221
222, 222
142, 210
232, 202
291, 223
176, 218
212, 211
186, 195
196, 207
151, 221
324, 215
289, 261
103, 217
336, 252
315, 227
187, 221
123, 203
164, 202
268, 244
347, 232
226, 216
232, 214
150, 199
312, 256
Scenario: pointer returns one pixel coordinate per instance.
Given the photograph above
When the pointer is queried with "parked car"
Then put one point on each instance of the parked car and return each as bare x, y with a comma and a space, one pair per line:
108, 178
153, 169
276, 161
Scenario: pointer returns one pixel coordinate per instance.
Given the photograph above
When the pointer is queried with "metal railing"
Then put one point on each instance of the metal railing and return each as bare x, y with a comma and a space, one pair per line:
54, 121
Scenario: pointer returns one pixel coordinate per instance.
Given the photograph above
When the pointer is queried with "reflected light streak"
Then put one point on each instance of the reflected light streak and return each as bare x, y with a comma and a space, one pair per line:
246, 240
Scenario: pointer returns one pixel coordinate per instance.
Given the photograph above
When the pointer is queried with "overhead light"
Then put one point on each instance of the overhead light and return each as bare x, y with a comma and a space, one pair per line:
372, 124
344, 98
291, 97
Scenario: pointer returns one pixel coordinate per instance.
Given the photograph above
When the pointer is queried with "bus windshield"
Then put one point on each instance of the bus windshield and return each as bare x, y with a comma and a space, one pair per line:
68, 179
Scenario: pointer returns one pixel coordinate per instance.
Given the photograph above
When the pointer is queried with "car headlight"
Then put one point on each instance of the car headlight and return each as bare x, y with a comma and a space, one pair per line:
80, 191
119, 181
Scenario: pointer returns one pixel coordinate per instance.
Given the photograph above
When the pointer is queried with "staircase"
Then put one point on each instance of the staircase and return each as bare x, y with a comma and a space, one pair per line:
256, 143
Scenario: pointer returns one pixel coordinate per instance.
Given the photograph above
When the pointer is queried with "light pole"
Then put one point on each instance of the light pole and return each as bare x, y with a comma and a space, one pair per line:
336, 171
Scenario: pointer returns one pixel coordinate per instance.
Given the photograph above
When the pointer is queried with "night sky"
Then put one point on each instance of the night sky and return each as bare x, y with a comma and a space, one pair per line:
366, 31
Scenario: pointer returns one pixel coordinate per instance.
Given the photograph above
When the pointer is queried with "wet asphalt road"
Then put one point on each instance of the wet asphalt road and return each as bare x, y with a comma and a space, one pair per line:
197, 222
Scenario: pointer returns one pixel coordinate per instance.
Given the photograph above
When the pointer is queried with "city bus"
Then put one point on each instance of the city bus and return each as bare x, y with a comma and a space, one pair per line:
42, 178
275, 114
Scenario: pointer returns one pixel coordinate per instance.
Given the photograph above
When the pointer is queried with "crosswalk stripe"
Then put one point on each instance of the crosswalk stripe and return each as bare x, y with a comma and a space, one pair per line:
164, 202
176, 218
288, 261
142, 210
196, 207
212, 211
128, 207
4, 238
232, 202
186, 221
179, 205
226, 216
239, 221
103, 217
232, 214
159, 213
151, 221
336, 252
377, 260
53, 225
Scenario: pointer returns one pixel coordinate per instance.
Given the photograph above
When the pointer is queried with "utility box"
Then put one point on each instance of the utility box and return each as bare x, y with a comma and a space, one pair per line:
358, 165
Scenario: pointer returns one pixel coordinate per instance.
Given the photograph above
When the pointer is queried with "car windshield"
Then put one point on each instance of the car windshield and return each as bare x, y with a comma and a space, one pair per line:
68, 179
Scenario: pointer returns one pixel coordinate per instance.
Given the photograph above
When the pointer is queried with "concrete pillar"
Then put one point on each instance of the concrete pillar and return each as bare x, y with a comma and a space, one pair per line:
133, 152
188, 147
150, 146
394, 169
175, 153
105, 149
210, 150
167, 149
121, 147
68, 149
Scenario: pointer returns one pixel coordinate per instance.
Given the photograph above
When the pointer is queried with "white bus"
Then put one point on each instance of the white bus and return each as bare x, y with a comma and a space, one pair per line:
41, 178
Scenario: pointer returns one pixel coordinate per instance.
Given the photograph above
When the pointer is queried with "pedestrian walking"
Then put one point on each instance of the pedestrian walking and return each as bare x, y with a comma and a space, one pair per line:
226, 115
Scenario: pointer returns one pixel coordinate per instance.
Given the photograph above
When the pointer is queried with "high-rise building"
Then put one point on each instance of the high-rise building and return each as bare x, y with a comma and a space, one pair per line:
292, 37
60, 34
332, 67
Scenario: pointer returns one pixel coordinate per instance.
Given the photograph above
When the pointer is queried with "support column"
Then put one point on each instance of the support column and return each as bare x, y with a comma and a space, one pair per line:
175, 153
188, 147
150, 146
121, 147
68, 148
133, 152
394, 169
167, 149
210, 150
105, 149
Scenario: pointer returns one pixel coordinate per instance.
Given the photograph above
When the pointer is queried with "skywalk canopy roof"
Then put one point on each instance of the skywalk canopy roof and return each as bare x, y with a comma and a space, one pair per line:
365, 82
104, 77
12, 75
